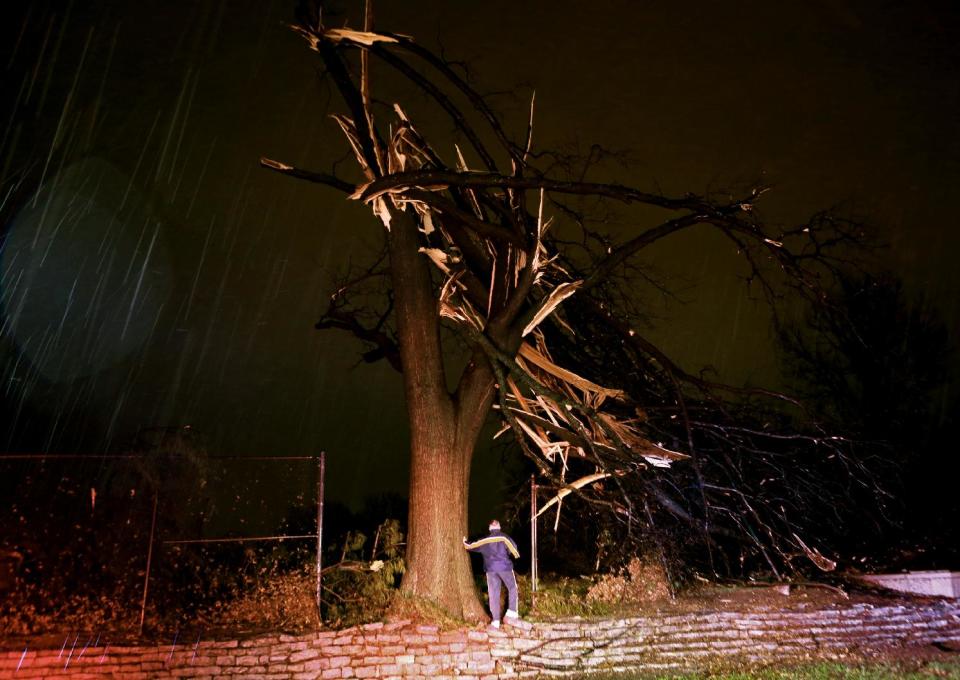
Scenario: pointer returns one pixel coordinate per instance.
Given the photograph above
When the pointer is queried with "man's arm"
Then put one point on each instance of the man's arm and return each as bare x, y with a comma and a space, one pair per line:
489, 540
512, 547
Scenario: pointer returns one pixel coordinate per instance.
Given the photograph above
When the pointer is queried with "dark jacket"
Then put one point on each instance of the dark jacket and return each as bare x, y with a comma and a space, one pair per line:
498, 550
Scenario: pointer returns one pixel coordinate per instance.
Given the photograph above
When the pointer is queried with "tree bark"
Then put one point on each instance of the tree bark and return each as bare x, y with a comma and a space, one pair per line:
438, 568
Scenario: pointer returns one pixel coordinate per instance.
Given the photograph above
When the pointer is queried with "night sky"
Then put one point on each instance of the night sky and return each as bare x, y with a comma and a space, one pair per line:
153, 274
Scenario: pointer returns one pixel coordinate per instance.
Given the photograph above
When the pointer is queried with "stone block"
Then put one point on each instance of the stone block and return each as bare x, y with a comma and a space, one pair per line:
481, 666
193, 671
304, 655
524, 643
227, 644
453, 636
503, 652
389, 637
300, 645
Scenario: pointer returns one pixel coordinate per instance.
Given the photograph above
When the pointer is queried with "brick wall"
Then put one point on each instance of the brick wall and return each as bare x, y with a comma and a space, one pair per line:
404, 649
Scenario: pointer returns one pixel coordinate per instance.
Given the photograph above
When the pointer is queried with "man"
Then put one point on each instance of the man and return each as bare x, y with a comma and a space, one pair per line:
499, 551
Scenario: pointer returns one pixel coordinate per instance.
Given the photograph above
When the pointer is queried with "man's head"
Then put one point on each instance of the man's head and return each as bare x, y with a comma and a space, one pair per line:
494, 525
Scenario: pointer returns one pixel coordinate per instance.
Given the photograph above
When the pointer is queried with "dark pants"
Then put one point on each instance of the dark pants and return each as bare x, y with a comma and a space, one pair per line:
494, 579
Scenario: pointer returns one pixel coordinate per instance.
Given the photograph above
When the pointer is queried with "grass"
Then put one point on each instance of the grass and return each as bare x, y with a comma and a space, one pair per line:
639, 583
902, 670
560, 597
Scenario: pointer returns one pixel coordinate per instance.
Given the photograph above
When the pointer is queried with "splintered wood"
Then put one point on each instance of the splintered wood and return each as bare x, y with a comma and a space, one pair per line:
493, 266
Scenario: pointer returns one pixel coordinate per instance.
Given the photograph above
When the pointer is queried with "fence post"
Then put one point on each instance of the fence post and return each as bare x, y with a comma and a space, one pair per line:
321, 471
533, 539
146, 576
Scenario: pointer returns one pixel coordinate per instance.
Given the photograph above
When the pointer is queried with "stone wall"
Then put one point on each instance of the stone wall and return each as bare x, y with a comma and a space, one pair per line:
404, 649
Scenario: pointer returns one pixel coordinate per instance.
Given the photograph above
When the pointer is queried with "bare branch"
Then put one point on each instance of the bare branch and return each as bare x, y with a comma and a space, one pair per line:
441, 179
309, 175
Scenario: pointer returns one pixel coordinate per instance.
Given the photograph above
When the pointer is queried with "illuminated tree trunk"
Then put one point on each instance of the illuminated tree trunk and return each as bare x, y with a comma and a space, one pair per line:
443, 433
438, 568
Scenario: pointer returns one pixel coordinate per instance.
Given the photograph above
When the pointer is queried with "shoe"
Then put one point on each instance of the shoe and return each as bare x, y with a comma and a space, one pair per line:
493, 625
511, 618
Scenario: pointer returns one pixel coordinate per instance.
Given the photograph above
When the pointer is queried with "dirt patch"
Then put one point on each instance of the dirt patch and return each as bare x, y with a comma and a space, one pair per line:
762, 598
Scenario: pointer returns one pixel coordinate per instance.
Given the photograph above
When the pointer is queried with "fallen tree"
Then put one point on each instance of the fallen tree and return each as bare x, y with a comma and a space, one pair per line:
488, 251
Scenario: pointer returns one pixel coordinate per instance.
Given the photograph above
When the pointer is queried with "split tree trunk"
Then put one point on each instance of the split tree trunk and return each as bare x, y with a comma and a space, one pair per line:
443, 433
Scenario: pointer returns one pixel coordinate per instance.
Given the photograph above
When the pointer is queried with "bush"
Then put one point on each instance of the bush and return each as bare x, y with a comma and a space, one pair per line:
642, 581
282, 601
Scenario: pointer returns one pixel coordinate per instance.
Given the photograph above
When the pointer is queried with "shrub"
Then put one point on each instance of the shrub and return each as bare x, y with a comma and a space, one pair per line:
643, 580
282, 601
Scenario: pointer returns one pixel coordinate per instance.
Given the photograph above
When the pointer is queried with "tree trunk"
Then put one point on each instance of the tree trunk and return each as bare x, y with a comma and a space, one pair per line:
438, 568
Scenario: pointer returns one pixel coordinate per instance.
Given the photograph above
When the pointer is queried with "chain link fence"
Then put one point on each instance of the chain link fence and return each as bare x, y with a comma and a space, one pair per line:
154, 540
